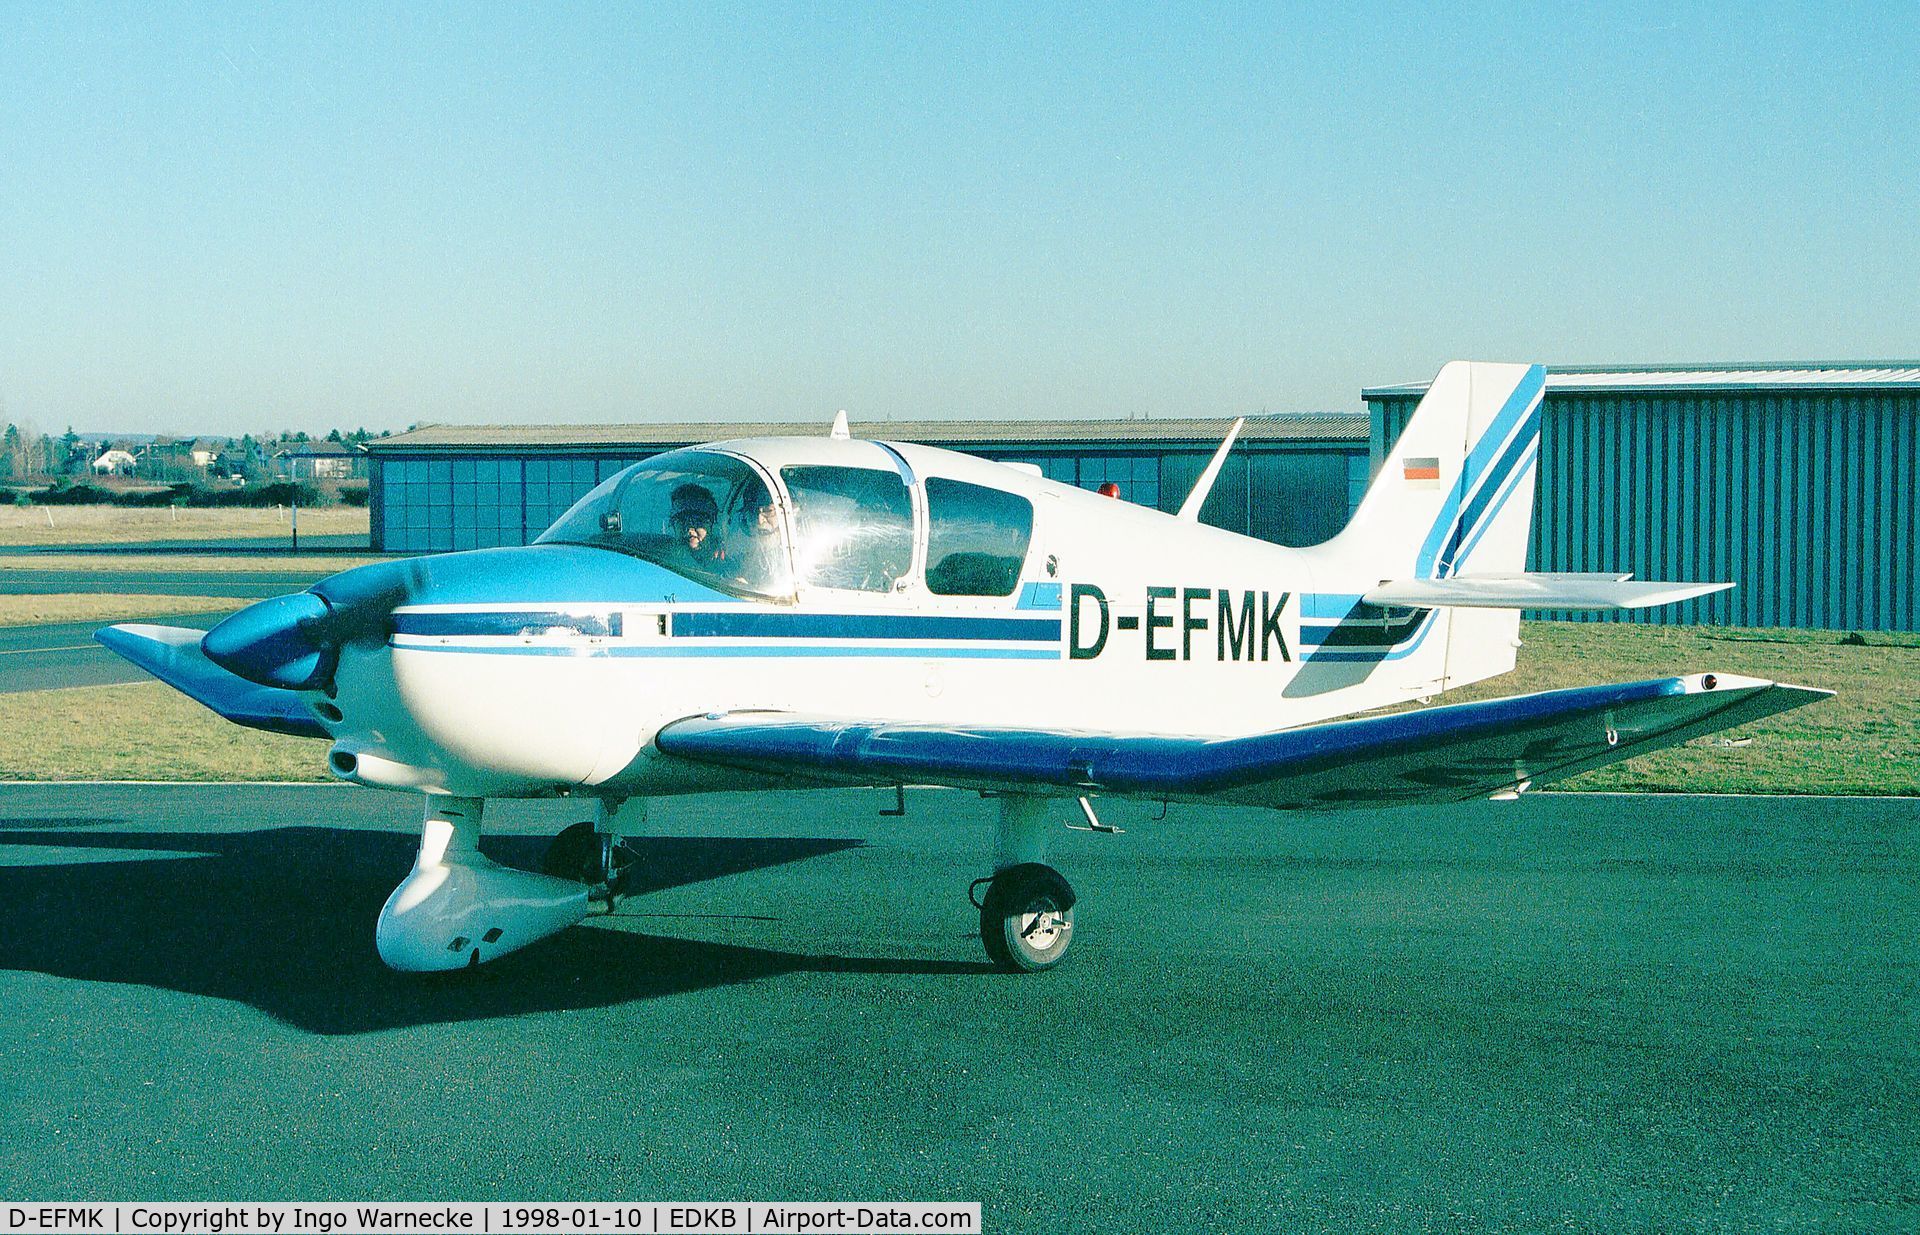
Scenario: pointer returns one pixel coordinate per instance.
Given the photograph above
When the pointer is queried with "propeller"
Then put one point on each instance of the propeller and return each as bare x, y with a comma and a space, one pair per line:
294, 641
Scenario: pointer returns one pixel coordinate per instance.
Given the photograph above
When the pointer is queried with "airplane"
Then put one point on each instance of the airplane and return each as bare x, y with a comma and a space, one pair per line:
806, 612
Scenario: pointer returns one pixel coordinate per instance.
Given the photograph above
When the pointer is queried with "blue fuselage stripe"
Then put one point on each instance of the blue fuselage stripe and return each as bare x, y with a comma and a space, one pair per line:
750, 625
462, 625
777, 651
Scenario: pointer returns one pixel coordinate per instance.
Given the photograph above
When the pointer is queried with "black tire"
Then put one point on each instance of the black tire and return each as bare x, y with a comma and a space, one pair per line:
1026, 918
575, 855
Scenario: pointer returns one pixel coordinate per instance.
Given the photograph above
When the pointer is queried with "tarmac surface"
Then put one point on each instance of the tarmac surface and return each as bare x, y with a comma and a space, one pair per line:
1570, 1012
62, 654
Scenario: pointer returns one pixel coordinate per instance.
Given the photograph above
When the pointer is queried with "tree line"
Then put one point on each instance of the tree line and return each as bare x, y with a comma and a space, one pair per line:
28, 456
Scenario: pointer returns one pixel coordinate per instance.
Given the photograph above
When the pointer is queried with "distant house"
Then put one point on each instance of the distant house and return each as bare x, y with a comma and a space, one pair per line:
206, 451
320, 461
114, 462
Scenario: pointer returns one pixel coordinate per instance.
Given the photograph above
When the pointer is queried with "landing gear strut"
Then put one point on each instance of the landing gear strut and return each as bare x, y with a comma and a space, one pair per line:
591, 852
1026, 917
459, 907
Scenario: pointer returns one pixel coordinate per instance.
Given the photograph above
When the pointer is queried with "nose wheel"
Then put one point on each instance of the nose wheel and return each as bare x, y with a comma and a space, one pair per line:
1026, 918
587, 855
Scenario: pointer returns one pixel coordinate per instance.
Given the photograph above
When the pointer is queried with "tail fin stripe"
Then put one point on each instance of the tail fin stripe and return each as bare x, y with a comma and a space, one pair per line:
1486, 503
1485, 468
1523, 399
1513, 482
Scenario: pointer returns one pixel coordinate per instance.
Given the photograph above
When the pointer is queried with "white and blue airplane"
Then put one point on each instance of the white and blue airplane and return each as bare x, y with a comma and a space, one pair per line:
805, 612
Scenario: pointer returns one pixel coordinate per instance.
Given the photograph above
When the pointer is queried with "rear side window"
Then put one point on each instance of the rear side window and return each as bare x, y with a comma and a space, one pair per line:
852, 527
976, 538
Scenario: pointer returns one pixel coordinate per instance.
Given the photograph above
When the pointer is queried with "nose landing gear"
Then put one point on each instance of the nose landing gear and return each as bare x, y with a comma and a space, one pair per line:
591, 852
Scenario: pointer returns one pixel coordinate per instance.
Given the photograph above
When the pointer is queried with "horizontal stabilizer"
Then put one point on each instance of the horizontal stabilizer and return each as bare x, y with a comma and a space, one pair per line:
172, 654
1535, 591
1443, 754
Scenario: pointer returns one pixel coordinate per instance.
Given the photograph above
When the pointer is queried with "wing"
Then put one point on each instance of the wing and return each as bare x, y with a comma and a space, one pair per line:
172, 654
1600, 592
1444, 754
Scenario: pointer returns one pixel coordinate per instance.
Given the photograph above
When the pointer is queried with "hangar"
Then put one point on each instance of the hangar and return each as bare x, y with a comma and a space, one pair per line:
467, 487
1795, 481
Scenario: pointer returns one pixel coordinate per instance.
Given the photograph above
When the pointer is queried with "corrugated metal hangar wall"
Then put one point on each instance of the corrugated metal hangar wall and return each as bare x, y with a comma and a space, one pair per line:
1292, 479
1797, 482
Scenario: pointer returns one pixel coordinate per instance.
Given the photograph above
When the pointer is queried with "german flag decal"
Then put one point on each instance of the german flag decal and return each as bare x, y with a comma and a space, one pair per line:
1423, 469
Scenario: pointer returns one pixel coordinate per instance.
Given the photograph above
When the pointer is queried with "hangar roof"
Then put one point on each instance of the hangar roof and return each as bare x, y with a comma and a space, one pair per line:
1697, 378
1301, 426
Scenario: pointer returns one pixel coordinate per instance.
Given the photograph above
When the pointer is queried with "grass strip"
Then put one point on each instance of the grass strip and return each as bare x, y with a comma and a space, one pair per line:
84, 525
1866, 740
35, 610
142, 731
166, 563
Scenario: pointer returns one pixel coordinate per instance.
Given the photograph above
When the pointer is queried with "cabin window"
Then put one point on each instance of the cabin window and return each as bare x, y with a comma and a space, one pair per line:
707, 517
976, 538
852, 527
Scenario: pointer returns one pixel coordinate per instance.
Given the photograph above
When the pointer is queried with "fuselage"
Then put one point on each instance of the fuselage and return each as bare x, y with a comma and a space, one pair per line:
979, 594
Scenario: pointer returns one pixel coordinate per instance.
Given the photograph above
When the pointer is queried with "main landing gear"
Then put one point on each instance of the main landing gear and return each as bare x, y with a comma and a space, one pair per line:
1026, 916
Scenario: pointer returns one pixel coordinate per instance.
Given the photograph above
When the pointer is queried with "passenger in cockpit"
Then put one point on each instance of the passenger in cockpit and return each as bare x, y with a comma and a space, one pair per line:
753, 550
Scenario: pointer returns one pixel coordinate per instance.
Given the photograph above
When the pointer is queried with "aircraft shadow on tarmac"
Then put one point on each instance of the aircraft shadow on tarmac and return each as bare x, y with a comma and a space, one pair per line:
282, 920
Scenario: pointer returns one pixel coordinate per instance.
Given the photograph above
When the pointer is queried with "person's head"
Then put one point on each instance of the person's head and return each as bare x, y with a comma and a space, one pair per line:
693, 515
758, 513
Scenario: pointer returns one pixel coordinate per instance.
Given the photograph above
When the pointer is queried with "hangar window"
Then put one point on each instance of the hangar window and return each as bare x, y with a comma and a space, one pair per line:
707, 517
976, 538
852, 527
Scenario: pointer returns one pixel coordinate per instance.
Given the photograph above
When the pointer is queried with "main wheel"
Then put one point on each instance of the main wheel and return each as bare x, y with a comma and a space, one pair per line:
584, 855
1026, 918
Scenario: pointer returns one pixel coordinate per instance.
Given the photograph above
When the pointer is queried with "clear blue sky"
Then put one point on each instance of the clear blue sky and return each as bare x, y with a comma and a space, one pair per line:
217, 219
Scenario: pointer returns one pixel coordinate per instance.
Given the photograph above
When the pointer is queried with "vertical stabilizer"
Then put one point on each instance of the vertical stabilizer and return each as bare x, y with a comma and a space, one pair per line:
1456, 490
1453, 496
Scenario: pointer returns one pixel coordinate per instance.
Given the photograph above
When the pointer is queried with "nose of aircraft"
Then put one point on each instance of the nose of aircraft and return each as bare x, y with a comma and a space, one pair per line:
276, 642
294, 641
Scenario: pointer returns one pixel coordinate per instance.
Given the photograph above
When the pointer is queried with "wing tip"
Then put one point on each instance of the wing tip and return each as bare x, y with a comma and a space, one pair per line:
1712, 680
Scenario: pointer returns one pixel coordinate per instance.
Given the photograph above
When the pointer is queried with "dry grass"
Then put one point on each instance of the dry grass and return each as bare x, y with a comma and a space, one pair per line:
1865, 740
91, 607
81, 525
121, 563
145, 731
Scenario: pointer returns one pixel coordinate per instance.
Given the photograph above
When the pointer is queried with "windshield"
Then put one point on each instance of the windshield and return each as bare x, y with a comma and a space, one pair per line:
706, 516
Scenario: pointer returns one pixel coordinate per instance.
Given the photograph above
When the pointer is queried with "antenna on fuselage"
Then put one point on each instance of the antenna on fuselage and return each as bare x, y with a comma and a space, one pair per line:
840, 432
1190, 509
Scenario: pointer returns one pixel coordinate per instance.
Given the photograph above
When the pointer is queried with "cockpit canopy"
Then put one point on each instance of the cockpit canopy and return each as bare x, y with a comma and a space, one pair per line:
709, 517
706, 516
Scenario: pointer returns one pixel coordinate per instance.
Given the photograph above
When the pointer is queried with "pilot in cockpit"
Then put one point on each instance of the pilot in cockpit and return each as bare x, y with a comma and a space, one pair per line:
691, 521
